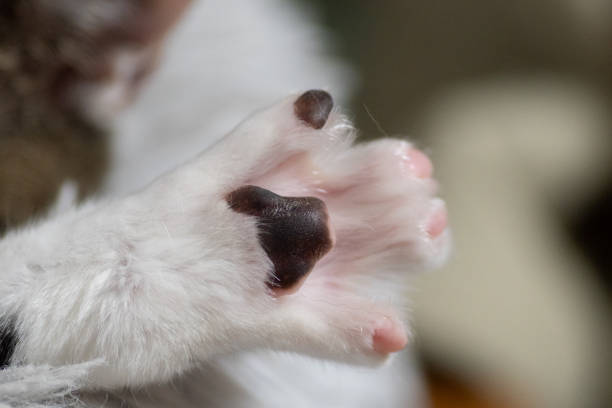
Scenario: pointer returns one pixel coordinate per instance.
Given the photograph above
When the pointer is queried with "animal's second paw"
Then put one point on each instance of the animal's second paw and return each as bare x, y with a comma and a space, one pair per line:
367, 213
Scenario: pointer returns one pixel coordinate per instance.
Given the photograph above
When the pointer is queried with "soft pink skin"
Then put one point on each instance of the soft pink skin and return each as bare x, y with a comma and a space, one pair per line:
331, 279
420, 166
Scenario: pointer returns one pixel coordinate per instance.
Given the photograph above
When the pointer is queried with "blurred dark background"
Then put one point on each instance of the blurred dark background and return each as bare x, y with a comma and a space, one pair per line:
512, 99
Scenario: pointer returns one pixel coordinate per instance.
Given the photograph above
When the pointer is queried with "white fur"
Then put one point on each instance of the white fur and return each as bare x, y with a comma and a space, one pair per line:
164, 280
275, 380
42, 385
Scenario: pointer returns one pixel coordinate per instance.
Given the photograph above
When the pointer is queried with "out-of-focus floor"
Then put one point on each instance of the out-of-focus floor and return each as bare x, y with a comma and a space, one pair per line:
512, 100
448, 391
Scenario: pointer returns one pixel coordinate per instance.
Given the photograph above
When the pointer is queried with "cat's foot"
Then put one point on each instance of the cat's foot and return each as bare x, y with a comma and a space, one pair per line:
282, 236
341, 264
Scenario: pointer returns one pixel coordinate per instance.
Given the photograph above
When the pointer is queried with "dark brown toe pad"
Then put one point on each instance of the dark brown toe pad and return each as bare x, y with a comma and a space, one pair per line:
313, 107
294, 231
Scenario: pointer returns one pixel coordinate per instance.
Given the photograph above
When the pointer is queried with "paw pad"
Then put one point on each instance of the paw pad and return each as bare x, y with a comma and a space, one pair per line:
420, 165
313, 107
389, 336
294, 231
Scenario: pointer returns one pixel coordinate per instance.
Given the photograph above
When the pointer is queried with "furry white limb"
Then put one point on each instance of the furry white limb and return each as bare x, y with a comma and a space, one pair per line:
42, 386
167, 278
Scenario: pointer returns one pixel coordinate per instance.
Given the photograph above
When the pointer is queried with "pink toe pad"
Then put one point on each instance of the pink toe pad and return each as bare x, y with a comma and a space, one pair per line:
390, 336
437, 222
420, 163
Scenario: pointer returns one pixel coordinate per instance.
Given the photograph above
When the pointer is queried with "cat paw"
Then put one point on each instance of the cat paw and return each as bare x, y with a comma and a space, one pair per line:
284, 236
345, 225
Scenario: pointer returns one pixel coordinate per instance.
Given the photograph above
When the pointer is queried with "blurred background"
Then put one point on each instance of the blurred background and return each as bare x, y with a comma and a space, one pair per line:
512, 100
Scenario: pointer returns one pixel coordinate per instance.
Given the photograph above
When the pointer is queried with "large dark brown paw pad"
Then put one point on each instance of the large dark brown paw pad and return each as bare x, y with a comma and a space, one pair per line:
294, 231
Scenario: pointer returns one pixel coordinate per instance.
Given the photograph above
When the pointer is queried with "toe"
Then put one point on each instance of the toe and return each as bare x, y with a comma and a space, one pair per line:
437, 222
418, 163
389, 337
